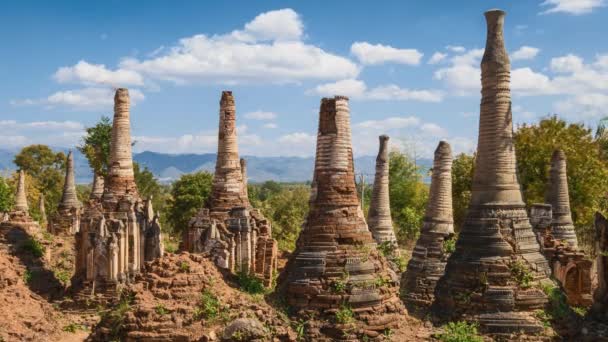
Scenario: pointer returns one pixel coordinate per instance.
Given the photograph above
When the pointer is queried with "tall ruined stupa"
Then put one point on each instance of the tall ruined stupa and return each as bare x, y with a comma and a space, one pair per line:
21, 196
67, 217
69, 198
483, 277
379, 214
430, 254
336, 264
562, 226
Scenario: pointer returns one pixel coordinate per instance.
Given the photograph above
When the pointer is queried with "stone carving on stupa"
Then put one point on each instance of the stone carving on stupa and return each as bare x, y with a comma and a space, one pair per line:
431, 252
236, 236
490, 276
555, 232
67, 218
336, 265
118, 231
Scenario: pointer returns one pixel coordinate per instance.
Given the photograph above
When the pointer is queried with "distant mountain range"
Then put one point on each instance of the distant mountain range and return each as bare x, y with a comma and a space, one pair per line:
169, 167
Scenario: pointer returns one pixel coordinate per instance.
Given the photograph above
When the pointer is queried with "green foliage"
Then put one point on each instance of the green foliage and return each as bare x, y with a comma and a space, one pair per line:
209, 306
63, 276
401, 262
462, 180
188, 195
161, 310
33, 246
96, 145
28, 276
449, 245
73, 327
387, 248
300, 327
184, 267
250, 283
459, 332
6, 196
579, 310
521, 273
558, 304
45, 171
340, 285
408, 196
115, 318
587, 166
345, 314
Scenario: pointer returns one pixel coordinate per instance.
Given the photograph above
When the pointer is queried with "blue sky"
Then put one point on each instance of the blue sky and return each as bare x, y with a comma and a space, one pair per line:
410, 68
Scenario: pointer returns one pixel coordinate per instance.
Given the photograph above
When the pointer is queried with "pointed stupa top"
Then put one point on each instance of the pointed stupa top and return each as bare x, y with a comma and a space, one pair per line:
227, 189
379, 215
121, 178
69, 199
439, 207
562, 226
20, 196
97, 188
495, 178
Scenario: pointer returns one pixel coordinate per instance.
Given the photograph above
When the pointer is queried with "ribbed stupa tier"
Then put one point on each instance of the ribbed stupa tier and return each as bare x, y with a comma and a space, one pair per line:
562, 226
69, 199
121, 178
97, 187
496, 243
228, 190
336, 263
379, 215
21, 196
429, 257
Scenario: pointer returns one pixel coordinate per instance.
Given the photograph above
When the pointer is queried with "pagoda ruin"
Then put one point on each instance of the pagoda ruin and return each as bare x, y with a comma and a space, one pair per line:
236, 236
336, 265
19, 215
497, 259
67, 218
431, 252
554, 228
379, 215
117, 232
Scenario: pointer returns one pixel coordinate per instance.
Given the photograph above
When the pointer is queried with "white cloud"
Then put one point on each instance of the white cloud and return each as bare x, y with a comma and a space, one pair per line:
370, 54
566, 64
433, 129
525, 81
85, 98
576, 7
583, 106
270, 125
390, 123
456, 48
279, 25
97, 74
437, 57
13, 125
15, 134
260, 115
463, 74
388, 92
524, 53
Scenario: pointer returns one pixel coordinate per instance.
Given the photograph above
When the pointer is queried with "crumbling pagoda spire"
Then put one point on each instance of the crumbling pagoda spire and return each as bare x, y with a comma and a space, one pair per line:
227, 190
430, 254
336, 262
483, 278
121, 178
97, 187
69, 198
562, 226
379, 215
21, 196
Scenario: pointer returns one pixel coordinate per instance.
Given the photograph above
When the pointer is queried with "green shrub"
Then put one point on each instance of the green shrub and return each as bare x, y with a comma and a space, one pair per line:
521, 273
387, 248
184, 267
209, 306
558, 305
345, 314
400, 262
33, 246
27, 276
73, 327
161, 310
115, 318
449, 245
250, 283
63, 276
460, 332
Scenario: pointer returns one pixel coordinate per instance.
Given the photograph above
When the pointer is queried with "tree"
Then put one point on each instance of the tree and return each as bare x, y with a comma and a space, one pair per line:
188, 195
46, 171
587, 171
462, 180
6, 196
96, 145
408, 196
287, 210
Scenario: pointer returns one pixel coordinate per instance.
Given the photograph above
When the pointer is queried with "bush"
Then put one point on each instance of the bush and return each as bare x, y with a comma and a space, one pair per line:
73, 327
345, 314
460, 332
33, 246
209, 306
449, 245
250, 283
521, 273
161, 310
63, 276
115, 318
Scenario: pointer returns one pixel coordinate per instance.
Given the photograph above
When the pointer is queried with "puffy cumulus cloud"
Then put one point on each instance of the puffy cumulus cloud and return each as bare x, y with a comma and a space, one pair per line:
586, 106
566, 64
373, 54
358, 90
15, 134
97, 74
260, 115
576, 7
92, 98
437, 57
462, 75
268, 50
524, 53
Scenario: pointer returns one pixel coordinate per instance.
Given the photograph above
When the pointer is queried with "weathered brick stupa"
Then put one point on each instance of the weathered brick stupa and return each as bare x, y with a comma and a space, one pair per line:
497, 257
117, 232
600, 296
19, 216
237, 236
379, 215
97, 187
336, 267
430, 254
554, 229
67, 218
